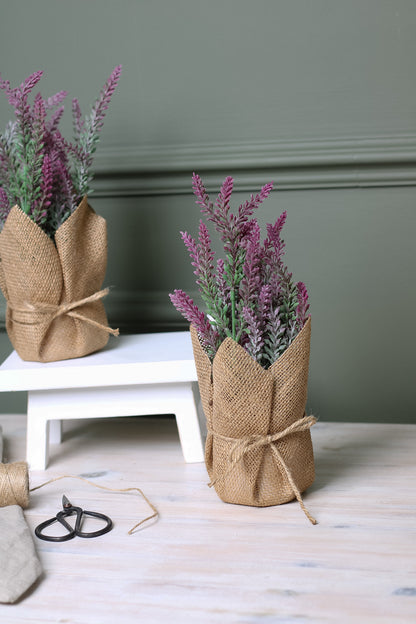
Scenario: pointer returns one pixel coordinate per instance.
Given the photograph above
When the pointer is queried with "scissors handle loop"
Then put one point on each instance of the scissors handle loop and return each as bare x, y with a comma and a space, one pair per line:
72, 531
93, 514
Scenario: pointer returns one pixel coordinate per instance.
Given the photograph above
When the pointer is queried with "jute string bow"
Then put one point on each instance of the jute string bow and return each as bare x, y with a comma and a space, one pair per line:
54, 311
244, 445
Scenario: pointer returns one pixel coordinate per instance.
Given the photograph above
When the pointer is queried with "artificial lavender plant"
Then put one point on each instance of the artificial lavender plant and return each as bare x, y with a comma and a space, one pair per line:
40, 171
249, 295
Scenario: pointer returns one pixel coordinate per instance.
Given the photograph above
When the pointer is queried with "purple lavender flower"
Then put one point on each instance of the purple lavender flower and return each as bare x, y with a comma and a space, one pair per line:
201, 257
53, 124
224, 196
255, 340
77, 118
18, 98
251, 297
46, 185
303, 305
201, 194
263, 304
250, 283
247, 208
274, 240
274, 343
205, 268
208, 335
272, 252
39, 170
4, 206
7, 163
55, 100
86, 132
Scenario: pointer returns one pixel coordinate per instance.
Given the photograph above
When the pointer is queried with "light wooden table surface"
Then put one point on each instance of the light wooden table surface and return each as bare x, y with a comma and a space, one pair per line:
208, 562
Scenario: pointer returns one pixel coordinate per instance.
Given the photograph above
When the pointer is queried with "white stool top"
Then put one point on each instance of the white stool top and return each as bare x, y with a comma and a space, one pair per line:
127, 360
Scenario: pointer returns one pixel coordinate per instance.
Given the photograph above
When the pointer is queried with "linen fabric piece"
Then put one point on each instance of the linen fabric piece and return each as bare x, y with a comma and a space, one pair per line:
19, 563
39, 278
242, 400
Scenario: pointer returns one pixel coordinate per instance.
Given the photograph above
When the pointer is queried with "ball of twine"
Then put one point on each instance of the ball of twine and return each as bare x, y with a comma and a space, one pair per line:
14, 484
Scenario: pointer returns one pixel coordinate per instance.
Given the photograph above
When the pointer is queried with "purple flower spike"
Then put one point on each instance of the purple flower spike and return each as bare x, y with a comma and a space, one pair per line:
223, 199
103, 101
201, 194
184, 304
4, 206
77, 117
87, 133
250, 283
255, 335
303, 305
47, 181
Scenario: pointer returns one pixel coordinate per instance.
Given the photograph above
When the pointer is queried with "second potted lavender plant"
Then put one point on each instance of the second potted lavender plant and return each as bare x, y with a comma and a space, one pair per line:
53, 246
251, 349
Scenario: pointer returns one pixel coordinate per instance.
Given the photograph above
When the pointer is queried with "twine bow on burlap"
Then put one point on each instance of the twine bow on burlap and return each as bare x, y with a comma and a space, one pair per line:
244, 445
54, 311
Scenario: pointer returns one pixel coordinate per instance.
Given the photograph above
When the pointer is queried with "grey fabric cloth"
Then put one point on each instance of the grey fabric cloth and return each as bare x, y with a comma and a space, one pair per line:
19, 563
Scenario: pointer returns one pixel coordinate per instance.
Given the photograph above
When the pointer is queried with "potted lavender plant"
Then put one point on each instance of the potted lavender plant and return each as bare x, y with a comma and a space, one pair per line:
251, 349
53, 246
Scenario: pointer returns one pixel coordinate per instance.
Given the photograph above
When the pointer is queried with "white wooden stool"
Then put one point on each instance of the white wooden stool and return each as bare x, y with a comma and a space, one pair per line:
135, 375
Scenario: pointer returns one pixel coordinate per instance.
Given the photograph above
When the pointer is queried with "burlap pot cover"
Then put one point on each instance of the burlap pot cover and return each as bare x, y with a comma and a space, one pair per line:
258, 450
54, 303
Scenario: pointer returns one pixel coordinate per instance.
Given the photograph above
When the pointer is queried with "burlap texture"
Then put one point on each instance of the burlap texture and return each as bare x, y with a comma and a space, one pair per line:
242, 400
38, 278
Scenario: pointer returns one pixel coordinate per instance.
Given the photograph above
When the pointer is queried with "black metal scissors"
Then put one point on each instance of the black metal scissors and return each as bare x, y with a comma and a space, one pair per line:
70, 510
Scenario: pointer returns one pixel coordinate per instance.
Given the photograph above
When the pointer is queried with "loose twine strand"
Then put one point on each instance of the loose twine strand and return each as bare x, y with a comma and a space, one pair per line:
67, 308
155, 513
14, 488
244, 445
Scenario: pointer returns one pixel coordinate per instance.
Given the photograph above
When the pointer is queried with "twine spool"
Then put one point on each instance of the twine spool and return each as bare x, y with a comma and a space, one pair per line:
14, 484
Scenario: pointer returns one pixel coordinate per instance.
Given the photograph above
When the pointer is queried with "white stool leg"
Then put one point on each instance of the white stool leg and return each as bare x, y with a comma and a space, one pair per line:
184, 403
55, 432
37, 437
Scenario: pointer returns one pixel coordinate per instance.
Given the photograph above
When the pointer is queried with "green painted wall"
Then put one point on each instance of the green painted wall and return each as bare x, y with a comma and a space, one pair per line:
318, 96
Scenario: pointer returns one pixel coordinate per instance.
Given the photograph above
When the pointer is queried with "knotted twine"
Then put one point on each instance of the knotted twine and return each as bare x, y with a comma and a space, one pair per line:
242, 446
54, 311
14, 489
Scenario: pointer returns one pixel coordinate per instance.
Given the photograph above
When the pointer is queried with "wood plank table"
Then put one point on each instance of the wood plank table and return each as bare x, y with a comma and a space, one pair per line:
134, 375
208, 562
